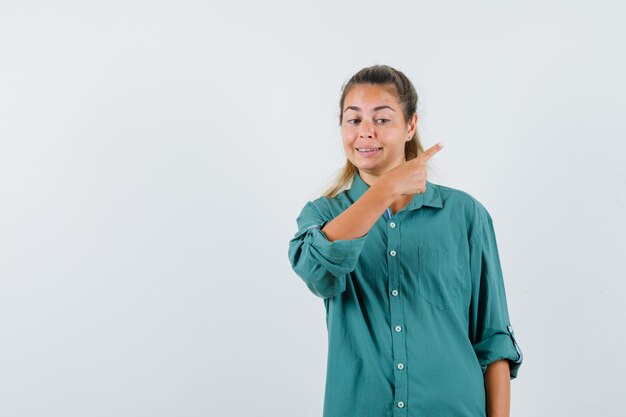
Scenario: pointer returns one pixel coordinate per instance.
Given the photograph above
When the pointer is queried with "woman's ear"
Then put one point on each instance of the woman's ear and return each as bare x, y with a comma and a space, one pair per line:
412, 126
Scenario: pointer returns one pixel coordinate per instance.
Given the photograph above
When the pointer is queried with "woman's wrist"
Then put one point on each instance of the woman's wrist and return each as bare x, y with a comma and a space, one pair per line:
387, 188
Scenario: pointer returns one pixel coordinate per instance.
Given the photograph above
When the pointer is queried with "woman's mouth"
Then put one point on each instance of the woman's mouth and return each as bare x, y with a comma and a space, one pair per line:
368, 151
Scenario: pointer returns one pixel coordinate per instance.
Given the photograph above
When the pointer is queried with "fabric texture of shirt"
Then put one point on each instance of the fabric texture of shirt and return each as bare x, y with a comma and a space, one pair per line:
415, 309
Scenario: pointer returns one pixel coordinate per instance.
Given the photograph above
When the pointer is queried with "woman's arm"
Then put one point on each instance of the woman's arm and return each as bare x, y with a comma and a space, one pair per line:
498, 388
358, 219
407, 178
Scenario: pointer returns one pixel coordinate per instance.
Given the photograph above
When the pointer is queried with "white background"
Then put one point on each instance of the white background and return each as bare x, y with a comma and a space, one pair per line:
154, 156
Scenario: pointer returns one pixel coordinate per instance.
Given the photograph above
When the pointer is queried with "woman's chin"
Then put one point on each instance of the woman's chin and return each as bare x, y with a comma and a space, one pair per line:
368, 165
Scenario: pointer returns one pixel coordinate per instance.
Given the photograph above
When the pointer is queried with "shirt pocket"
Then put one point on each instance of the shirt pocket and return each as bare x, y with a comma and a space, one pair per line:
440, 275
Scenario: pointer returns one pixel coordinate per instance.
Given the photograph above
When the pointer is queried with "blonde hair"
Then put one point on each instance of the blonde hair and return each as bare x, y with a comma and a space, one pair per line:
407, 97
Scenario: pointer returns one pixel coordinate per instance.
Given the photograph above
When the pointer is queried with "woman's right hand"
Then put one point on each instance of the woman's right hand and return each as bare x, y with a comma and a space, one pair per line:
410, 176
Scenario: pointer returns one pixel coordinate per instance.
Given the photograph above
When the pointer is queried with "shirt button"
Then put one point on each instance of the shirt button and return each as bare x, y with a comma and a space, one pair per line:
400, 404
392, 253
398, 329
400, 365
394, 292
392, 224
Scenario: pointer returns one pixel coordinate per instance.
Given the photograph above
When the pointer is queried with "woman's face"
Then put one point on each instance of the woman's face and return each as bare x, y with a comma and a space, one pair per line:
373, 118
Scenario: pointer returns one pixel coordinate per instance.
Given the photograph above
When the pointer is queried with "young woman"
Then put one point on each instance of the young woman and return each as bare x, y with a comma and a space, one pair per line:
408, 271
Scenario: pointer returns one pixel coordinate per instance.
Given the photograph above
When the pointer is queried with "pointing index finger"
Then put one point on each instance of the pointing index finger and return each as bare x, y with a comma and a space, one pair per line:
428, 153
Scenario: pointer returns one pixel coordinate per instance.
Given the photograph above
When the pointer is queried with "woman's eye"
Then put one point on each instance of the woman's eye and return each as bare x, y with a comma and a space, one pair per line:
356, 121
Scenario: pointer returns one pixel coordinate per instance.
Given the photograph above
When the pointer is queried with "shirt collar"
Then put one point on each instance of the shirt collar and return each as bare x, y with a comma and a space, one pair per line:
431, 197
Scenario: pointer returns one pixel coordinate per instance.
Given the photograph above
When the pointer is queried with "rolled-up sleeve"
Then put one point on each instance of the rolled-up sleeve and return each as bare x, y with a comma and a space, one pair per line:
323, 265
491, 332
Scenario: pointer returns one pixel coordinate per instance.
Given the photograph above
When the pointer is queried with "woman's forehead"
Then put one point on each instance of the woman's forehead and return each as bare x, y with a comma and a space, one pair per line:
368, 96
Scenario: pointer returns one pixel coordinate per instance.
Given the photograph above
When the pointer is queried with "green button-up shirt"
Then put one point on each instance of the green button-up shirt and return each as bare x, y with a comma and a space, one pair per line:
415, 309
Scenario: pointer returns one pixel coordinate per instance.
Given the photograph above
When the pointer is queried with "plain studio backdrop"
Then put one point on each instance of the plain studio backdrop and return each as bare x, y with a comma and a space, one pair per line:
154, 157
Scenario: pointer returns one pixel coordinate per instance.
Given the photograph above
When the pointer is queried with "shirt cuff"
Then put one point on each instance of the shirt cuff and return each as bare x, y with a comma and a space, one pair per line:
500, 346
341, 255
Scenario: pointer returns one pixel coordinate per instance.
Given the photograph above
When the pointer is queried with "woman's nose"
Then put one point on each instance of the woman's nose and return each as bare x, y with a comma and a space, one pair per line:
367, 130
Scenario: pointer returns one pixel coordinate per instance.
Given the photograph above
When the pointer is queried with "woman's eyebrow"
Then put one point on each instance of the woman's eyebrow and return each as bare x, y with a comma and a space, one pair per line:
374, 109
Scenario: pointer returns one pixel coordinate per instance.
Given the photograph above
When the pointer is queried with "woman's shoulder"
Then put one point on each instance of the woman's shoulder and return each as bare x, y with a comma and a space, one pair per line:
330, 207
455, 199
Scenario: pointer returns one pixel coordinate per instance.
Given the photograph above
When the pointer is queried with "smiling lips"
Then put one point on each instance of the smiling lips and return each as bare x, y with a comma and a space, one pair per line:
368, 151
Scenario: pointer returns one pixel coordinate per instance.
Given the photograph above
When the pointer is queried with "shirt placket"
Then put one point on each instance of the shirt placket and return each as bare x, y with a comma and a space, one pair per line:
398, 329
